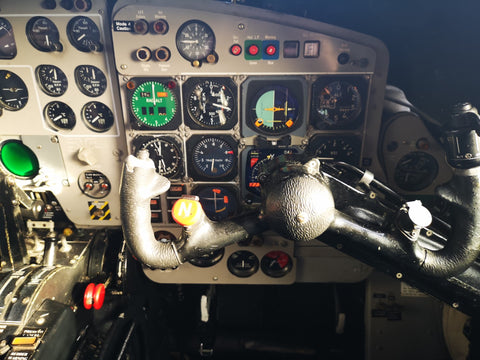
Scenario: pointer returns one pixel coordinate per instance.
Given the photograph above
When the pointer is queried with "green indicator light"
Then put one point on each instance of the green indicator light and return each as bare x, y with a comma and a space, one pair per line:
19, 159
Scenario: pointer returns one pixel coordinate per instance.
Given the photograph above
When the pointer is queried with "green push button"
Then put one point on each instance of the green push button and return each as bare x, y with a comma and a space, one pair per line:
19, 159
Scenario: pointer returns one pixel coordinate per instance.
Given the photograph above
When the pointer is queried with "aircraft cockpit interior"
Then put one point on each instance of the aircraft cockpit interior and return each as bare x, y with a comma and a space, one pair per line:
242, 179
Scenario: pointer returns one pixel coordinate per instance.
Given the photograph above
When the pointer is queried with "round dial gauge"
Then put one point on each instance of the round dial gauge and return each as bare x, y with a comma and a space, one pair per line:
338, 103
153, 104
208, 259
97, 116
217, 202
274, 110
256, 158
329, 148
84, 34
195, 40
213, 157
90, 80
276, 264
165, 155
52, 79
13, 91
415, 171
243, 263
43, 34
211, 104
59, 115
8, 47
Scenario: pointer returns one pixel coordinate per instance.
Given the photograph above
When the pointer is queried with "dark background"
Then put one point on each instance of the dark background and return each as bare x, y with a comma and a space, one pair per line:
434, 45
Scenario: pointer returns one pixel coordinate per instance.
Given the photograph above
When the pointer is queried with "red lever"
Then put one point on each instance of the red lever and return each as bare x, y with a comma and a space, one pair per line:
98, 296
94, 296
88, 296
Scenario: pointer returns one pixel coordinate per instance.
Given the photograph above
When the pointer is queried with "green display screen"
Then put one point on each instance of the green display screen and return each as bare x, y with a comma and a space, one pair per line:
19, 159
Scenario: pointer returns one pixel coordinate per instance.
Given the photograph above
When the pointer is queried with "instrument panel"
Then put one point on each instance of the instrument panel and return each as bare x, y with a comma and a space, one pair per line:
211, 90
214, 90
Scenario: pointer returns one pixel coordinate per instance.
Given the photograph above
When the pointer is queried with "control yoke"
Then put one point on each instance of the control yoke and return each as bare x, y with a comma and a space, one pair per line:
304, 199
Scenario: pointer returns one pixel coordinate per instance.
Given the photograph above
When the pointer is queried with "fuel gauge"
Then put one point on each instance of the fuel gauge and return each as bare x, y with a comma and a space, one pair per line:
98, 116
59, 115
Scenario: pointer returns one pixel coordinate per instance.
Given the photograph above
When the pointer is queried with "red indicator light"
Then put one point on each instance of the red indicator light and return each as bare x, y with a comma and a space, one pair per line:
235, 49
172, 84
254, 184
230, 152
253, 161
225, 199
217, 191
253, 50
271, 50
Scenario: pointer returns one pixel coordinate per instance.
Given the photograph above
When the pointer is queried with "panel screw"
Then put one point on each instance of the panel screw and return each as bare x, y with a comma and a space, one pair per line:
399, 275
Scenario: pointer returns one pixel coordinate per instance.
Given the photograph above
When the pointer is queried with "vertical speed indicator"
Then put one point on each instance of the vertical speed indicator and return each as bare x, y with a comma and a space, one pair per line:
153, 104
212, 157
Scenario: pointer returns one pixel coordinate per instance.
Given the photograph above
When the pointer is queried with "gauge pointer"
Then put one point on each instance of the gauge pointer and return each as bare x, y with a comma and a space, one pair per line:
223, 106
274, 109
221, 116
153, 94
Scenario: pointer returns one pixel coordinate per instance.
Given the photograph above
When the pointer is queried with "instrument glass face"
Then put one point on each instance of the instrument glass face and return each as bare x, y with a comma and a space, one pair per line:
97, 116
195, 40
52, 80
211, 103
13, 91
84, 34
90, 80
213, 157
59, 116
166, 156
8, 46
153, 104
43, 34
274, 110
